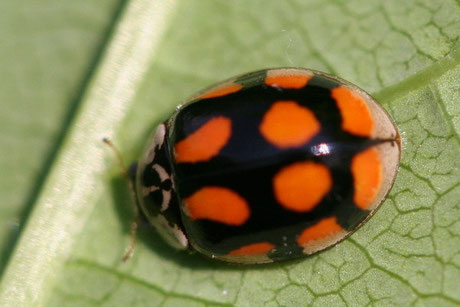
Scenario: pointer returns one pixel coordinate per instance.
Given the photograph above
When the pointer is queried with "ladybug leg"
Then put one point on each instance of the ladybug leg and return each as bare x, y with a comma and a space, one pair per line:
130, 249
130, 179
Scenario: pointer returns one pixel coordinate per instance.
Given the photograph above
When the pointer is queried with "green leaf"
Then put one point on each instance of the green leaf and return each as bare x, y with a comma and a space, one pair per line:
62, 96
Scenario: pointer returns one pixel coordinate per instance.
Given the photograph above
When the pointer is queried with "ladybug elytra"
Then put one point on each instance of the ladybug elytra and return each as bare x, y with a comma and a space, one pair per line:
268, 166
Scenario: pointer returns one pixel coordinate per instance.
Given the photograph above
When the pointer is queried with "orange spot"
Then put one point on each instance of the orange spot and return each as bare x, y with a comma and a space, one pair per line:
320, 230
366, 168
356, 116
222, 91
253, 249
288, 81
218, 204
288, 124
206, 142
302, 185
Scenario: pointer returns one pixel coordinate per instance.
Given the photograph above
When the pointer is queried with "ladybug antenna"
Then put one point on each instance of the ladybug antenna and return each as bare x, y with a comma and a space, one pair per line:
119, 157
130, 249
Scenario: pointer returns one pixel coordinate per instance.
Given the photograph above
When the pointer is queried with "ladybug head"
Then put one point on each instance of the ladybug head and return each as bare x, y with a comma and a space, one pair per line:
155, 190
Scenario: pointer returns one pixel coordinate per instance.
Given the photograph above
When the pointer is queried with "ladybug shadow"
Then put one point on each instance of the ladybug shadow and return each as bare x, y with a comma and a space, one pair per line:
125, 208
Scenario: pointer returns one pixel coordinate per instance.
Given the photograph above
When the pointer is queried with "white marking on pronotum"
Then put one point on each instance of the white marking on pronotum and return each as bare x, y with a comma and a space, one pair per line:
147, 190
166, 200
160, 135
163, 174
172, 234
157, 142
150, 154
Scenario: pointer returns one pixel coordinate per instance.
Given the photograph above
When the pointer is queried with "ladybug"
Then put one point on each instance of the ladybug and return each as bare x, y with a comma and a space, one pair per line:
268, 166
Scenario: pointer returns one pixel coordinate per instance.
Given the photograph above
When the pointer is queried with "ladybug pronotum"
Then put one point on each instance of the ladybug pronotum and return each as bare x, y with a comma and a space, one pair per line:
272, 165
